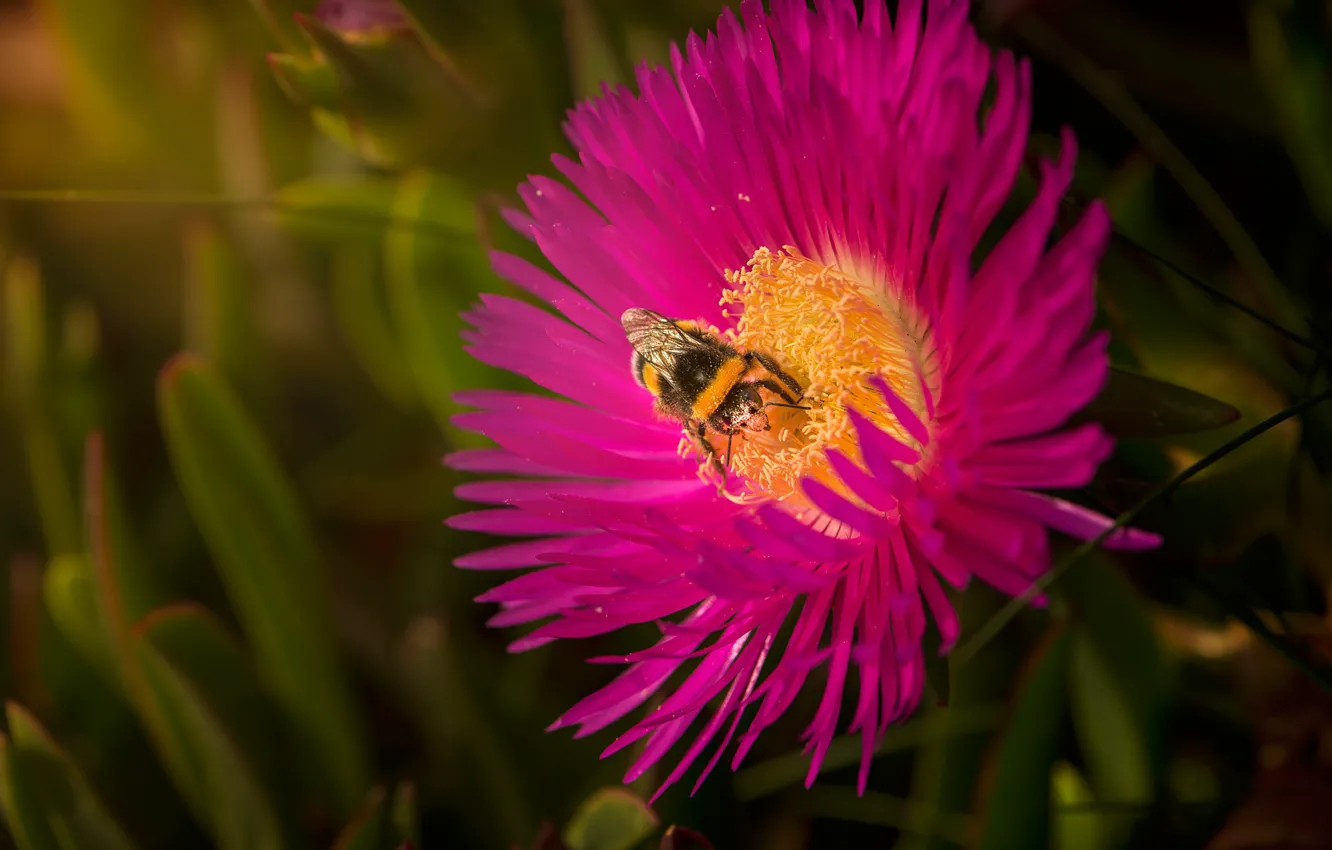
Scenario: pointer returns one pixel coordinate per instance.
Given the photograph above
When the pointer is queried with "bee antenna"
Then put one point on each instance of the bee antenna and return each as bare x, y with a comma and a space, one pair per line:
792, 406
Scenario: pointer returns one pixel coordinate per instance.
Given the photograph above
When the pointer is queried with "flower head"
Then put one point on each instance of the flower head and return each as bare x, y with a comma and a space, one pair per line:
809, 185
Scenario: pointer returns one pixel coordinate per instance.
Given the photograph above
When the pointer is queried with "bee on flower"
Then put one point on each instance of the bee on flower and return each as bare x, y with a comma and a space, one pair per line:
765, 254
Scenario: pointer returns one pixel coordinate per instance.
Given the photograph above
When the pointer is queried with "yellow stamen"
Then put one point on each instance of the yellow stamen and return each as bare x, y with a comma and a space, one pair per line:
832, 333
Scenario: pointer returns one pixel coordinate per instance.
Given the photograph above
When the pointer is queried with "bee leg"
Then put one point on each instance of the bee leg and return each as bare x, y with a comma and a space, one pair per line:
790, 400
698, 432
771, 365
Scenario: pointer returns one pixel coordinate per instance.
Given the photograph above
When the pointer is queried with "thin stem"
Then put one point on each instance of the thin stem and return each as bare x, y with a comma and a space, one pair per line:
1010, 610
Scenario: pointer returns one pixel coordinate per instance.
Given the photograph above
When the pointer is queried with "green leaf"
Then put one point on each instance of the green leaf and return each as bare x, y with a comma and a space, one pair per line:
70, 591
23, 810
368, 828
27, 378
25, 343
76, 817
1289, 45
309, 82
403, 815
211, 725
360, 311
1016, 808
1077, 825
265, 554
611, 819
126, 589
429, 282
1119, 684
113, 92
1136, 406
596, 55
217, 302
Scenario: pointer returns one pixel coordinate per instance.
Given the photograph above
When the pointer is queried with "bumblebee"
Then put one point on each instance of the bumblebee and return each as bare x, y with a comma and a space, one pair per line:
703, 382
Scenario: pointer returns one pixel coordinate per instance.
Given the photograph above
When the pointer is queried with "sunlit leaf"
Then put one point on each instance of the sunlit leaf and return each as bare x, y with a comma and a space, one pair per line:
1077, 825
611, 819
266, 556
1016, 806
209, 722
76, 817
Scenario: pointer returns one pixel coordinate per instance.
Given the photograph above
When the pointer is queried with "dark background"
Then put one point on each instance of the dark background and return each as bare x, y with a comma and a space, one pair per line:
227, 591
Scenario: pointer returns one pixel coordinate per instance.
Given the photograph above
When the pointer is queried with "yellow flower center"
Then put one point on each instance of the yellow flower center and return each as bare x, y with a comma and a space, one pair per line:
832, 333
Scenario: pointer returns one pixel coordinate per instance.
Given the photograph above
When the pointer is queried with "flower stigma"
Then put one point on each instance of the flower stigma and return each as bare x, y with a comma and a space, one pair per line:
833, 334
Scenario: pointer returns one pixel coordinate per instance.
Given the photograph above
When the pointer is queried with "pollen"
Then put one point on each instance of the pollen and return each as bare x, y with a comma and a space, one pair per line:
833, 333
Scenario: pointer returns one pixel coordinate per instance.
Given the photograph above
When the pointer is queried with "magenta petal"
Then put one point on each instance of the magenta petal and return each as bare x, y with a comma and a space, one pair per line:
1073, 520
504, 521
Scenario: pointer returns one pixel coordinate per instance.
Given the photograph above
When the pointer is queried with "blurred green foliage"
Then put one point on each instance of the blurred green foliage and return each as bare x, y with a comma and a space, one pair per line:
234, 243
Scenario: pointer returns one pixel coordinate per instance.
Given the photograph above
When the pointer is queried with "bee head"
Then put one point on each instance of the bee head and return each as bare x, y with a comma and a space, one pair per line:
743, 410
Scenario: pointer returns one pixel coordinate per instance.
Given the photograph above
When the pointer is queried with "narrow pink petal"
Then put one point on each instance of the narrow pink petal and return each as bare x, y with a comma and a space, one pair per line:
506, 521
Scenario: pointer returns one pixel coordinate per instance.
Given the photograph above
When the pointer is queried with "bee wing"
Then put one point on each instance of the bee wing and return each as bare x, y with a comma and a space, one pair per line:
657, 339
637, 322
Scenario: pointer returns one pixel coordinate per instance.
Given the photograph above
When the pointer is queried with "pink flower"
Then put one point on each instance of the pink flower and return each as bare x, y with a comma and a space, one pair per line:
813, 186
